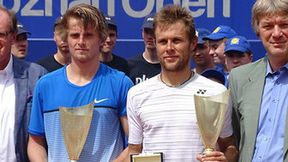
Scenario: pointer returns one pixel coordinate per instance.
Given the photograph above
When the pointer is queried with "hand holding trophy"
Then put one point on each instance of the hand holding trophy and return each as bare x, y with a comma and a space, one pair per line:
75, 124
210, 113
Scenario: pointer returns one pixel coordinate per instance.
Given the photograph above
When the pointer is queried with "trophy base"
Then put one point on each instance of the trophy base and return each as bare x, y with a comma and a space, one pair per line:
207, 151
153, 157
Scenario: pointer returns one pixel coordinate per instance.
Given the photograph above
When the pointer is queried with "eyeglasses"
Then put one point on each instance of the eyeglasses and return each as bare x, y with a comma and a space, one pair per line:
3, 35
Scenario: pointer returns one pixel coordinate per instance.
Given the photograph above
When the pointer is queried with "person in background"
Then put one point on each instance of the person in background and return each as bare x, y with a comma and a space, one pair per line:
237, 52
259, 90
201, 57
20, 45
214, 75
145, 65
217, 41
17, 80
62, 55
83, 81
106, 55
161, 110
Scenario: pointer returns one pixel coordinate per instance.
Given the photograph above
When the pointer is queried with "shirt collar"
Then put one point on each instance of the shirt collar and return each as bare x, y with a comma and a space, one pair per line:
269, 69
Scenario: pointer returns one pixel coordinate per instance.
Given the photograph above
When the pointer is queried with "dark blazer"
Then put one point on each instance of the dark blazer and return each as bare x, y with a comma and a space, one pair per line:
246, 84
26, 75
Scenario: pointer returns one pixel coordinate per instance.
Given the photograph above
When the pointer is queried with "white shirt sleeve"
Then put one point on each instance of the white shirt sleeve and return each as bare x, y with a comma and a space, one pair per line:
134, 122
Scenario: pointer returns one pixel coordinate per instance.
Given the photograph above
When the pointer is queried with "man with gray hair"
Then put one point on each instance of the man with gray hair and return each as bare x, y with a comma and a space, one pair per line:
17, 82
260, 90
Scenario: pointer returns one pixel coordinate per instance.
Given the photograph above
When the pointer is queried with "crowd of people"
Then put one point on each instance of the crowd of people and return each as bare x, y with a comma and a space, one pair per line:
146, 104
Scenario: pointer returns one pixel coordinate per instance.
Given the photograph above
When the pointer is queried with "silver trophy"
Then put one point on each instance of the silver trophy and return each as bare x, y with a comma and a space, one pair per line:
75, 124
210, 113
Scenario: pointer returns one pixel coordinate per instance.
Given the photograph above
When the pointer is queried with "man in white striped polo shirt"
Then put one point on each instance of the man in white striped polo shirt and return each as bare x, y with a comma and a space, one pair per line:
161, 113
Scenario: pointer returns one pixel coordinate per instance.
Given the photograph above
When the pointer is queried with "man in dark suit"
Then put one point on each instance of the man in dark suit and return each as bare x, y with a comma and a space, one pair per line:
17, 80
260, 90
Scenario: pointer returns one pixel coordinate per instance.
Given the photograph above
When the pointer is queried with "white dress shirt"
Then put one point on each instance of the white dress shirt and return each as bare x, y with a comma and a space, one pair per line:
7, 114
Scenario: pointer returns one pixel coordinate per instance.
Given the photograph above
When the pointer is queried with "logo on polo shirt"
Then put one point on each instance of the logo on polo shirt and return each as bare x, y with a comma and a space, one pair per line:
201, 91
99, 101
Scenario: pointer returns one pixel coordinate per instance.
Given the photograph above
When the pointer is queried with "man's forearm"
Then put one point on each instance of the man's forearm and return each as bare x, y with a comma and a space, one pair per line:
231, 153
37, 149
228, 147
124, 156
131, 149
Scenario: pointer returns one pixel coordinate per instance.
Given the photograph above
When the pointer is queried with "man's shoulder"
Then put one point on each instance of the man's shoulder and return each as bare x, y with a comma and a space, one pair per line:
243, 70
45, 59
136, 57
136, 60
49, 63
119, 63
113, 74
107, 70
141, 69
119, 58
241, 75
22, 65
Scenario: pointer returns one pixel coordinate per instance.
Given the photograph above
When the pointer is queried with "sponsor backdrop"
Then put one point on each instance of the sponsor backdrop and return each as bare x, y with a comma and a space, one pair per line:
38, 17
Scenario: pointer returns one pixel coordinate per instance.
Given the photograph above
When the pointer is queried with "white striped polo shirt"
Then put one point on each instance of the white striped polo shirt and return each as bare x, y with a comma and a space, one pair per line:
163, 118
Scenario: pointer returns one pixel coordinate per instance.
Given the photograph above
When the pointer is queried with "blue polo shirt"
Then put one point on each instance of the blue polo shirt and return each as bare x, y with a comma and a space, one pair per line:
108, 89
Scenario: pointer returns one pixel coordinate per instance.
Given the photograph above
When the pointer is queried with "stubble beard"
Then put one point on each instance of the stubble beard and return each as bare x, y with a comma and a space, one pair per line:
174, 67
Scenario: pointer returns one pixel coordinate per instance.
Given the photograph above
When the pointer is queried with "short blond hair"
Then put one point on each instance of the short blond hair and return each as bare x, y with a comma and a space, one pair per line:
89, 15
171, 14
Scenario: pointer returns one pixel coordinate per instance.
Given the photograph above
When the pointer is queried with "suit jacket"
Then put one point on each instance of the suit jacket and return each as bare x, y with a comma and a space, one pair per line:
246, 84
26, 75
